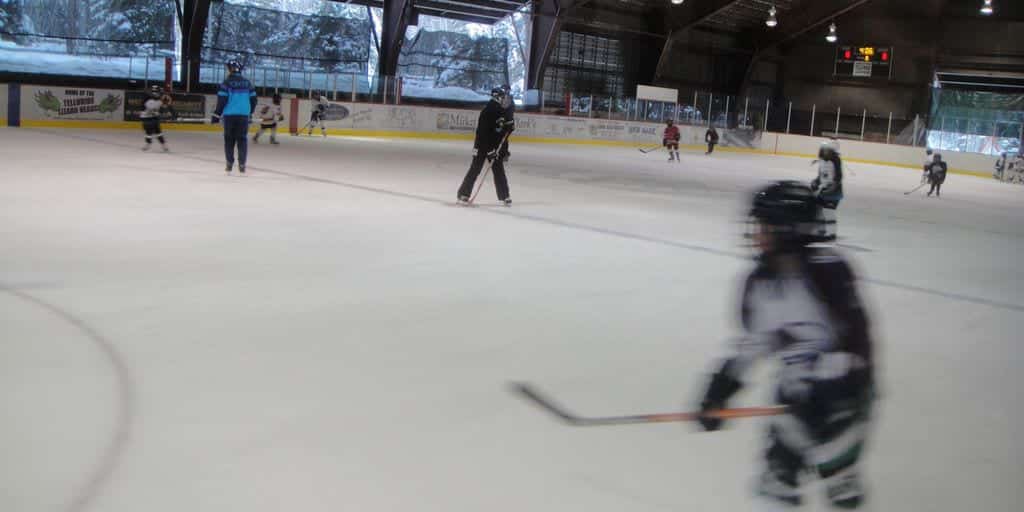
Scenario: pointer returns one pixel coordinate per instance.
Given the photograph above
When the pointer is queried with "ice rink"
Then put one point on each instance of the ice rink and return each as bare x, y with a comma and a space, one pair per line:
331, 333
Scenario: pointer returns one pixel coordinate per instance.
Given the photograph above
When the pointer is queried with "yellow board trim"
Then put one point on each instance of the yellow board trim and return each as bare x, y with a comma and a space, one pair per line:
134, 125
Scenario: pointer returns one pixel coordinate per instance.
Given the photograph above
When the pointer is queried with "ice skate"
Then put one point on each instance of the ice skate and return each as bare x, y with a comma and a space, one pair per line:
507, 202
164, 148
147, 146
227, 168
241, 169
463, 201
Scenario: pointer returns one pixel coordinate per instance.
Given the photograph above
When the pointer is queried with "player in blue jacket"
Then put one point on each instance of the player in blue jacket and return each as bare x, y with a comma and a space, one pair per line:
236, 101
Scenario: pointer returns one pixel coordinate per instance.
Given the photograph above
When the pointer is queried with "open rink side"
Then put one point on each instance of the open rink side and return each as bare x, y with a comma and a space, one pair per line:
330, 333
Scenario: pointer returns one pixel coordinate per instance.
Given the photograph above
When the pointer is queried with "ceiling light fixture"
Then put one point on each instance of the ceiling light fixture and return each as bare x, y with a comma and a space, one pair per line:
832, 35
772, 21
987, 8
677, 2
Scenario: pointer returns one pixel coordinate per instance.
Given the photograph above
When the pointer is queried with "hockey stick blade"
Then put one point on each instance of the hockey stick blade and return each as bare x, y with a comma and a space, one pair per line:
537, 398
648, 150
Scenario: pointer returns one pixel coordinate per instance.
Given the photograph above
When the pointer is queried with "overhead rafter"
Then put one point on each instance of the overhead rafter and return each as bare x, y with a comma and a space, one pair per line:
193, 26
398, 15
685, 17
548, 19
799, 22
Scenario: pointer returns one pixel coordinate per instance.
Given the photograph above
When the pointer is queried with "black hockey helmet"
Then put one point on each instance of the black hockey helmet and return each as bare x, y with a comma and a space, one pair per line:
828, 148
276, 98
156, 91
670, 122
789, 209
498, 94
234, 66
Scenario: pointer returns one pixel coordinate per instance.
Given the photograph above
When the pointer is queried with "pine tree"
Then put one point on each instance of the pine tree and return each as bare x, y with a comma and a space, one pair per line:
10, 19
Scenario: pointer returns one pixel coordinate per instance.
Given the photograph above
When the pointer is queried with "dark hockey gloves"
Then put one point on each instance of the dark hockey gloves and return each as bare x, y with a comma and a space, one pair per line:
721, 388
502, 125
215, 119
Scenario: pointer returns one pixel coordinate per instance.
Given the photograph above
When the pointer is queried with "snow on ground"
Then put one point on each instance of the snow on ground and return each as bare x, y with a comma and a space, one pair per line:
53, 59
329, 333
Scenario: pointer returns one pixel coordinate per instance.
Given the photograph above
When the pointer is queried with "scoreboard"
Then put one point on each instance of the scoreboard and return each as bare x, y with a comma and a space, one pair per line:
863, 62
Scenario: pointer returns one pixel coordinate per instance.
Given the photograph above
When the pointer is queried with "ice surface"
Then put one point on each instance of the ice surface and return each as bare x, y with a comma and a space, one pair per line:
329, 333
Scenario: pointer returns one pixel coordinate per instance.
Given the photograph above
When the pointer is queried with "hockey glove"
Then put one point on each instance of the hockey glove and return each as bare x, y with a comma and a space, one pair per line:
721, 388
491, 155
215, 119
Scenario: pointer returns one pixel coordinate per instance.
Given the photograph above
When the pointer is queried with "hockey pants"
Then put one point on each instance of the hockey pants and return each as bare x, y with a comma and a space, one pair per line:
794, 447
264, 127
497, 168
827, 206
235, 130
152, 128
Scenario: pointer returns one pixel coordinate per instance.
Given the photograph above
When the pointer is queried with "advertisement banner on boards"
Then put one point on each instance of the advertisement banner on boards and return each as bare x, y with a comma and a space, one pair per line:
184, 108
73, 104
456, 121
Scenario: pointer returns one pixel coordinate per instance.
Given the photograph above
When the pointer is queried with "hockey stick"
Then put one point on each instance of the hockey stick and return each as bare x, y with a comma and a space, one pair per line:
545, 403
649, 150
907, 193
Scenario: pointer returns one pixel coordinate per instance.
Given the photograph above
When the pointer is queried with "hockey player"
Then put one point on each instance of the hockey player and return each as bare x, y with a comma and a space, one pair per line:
801, 305
492, 130
928, 159
711, 137
936, 173
152, 109
1000, 167
828, 187
670, 139
319, 112
236, 101
269, 116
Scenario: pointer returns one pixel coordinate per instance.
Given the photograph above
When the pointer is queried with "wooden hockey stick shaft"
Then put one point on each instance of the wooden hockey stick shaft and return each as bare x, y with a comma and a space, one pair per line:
907, 193
534, 396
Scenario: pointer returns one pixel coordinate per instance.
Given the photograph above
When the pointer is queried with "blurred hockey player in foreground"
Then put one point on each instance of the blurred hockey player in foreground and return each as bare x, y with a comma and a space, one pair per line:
490, 145
801, 305
670, 139
828, 186
269, 116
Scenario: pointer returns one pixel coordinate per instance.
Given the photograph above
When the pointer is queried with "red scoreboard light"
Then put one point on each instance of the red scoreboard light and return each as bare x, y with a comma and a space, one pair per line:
863, 62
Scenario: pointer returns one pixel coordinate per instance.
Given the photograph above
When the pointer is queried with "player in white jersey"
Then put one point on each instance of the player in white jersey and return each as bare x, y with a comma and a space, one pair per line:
154, 106
318, 114
800, 305
269, 115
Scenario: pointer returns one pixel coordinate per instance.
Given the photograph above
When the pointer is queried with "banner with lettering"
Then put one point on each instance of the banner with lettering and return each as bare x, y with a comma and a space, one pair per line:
56, 103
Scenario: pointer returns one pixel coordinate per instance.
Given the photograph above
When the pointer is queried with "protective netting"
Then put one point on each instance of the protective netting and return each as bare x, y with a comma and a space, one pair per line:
89, 27
276, 39
976, 121
444, 59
